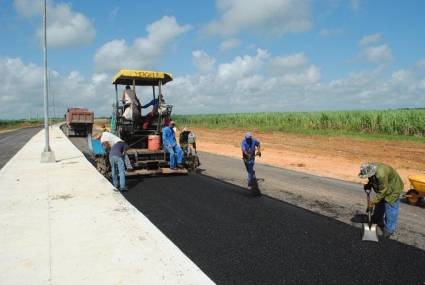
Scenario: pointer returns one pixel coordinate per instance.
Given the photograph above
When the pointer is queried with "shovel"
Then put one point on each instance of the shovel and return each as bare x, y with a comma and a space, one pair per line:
369, 229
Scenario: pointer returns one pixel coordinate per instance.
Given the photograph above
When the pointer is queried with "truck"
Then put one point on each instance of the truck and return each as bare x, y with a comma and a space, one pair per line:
79, 122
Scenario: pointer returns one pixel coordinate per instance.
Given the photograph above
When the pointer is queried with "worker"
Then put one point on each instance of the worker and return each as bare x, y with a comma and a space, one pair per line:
131, 104
150, 117
171, 146
388, 185
118, 158
249, 146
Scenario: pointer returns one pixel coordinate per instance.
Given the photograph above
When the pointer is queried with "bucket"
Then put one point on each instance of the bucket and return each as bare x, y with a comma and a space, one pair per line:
154, 142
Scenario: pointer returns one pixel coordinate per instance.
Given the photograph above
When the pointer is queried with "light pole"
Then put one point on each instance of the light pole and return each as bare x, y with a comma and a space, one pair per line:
47, 155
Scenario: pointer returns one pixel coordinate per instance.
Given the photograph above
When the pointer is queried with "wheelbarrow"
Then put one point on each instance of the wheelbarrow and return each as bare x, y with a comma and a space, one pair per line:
417, 192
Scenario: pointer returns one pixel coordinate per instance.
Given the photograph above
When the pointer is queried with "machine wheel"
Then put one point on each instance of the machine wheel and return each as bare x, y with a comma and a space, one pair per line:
103, 166
413, 197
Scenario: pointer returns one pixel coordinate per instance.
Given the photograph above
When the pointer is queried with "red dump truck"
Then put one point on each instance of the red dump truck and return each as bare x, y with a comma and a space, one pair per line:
79, 122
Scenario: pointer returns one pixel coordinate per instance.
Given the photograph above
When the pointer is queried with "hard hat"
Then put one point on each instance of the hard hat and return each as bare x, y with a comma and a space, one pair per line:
248, 135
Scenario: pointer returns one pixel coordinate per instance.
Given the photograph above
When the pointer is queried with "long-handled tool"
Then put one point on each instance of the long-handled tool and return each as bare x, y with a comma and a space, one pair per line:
369, 229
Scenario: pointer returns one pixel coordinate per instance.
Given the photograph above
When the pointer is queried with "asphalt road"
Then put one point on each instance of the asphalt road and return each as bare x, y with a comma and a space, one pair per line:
238, 239
11, 142
334, 198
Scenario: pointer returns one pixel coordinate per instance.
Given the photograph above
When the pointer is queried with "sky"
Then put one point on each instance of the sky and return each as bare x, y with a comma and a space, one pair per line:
225, 55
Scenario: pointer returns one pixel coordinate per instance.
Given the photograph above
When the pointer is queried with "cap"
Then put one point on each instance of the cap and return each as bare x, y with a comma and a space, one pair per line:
248, 135
367, 170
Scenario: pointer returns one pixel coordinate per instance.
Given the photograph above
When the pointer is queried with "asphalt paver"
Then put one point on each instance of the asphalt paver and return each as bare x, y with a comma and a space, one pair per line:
11, 142
239, 239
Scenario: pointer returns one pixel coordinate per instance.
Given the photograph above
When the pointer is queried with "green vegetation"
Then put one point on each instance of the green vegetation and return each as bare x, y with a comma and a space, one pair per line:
15, 124
405, 122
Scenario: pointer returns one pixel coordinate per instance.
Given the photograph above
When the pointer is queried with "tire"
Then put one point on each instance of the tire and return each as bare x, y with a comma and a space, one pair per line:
413, 197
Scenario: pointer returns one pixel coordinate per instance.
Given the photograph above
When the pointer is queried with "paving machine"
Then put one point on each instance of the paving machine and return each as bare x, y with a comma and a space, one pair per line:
143, 132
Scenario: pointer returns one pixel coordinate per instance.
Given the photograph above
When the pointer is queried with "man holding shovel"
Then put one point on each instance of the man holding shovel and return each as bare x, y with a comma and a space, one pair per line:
249, 145
387, 184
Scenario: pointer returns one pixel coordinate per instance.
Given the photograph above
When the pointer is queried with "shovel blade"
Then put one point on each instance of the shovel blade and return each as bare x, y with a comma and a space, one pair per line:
369, 232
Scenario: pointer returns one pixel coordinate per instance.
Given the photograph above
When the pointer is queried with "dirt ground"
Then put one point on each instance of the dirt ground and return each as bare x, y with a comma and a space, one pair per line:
334, 157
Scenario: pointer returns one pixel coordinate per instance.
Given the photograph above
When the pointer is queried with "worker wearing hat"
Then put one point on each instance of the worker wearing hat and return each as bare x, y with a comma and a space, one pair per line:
249, 146
170, 145
388, 185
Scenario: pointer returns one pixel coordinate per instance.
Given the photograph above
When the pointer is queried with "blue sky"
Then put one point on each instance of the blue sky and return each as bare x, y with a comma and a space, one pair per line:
226, 56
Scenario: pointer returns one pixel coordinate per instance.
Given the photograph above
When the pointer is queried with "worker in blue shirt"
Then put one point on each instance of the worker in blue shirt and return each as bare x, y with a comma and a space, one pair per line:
170, 145
249, 145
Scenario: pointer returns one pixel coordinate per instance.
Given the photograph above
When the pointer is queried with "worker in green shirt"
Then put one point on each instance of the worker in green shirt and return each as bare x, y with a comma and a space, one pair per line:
387, 184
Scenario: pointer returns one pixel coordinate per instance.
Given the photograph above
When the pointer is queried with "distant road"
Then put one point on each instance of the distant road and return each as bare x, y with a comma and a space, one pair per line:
12, 142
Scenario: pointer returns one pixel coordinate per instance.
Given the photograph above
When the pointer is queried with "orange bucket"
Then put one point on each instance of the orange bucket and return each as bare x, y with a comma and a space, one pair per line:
154, 142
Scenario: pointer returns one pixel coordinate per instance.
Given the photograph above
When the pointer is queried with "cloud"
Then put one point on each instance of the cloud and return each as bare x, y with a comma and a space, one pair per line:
21, 90
247, 88
275, 17
229, 44
289, 62
242, 66
370, 39
243, 85
143, 52
330, 32
65, 27
378, 54
203, 61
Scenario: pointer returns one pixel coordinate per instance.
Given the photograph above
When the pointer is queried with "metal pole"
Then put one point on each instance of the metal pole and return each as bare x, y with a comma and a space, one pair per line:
47, 155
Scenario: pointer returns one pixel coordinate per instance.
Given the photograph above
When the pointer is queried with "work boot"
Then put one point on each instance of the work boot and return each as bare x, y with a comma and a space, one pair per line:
124, 189
181, 166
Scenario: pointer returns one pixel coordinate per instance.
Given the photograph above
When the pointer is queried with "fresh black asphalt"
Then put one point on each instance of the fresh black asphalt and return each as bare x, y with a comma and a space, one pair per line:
238, 239
11, 142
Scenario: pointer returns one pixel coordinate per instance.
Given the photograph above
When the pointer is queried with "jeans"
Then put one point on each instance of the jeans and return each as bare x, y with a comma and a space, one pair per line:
249, 165
176, 155
386, 214
117, 162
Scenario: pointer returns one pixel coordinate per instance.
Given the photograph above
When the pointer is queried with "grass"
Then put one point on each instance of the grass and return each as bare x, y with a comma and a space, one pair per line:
404, 124
16, 124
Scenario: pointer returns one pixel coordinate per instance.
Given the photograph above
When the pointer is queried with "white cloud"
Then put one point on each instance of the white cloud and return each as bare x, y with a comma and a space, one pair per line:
65, 27
242, 85
378, 54
370, 39
229, 44
330, 32
143, 52
275, 17
241, 66
289, 62
21, 90
203, 61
